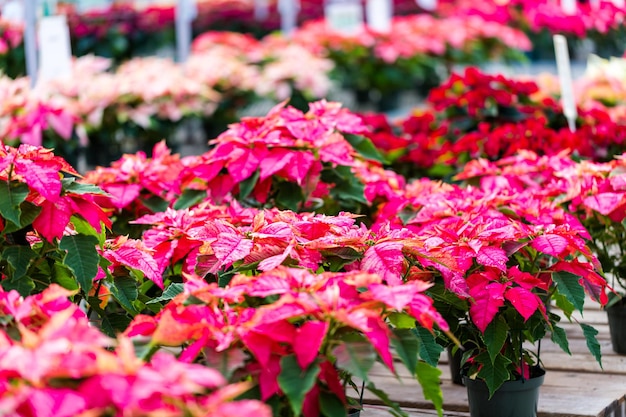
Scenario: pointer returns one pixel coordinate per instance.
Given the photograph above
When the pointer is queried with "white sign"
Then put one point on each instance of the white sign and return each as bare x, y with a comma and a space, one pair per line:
13, 11
288, 10
261, 9
569, 7
55, 52
379, 14
429, 5
345, 16
565, 80
186, 11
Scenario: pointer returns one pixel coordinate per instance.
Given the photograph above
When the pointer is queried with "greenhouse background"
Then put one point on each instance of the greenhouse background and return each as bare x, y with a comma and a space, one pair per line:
313, 208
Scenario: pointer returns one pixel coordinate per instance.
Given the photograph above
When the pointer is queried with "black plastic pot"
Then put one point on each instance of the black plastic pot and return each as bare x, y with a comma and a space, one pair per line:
513, 399
354, 413
617, 326
454, 361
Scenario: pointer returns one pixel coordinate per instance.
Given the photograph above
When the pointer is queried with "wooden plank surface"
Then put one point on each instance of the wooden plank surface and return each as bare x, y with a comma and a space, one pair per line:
575, 385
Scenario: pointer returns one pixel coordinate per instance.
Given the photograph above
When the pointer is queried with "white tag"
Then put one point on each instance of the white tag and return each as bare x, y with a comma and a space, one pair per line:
429, 5
83, 6
55, 52
569, 7
288, 10
13, 11
379, 14
261, 9
565, 80
345, 17
188, 10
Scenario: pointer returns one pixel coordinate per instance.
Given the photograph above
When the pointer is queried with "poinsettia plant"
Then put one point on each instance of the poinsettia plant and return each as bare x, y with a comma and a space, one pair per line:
515, 254
303, 339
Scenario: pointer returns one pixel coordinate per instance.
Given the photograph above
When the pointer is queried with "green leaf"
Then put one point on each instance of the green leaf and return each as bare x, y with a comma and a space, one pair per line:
495, 372
155, 203
429, 349
189, 198
366, 148
111, 323
11, 197
495, 336
386, 400
124, 289
429, 378
564, 304
83, 227
592, 343
295, 382
82, 258
355, 357
170, 292
247, 185
559, 337
70, 184
24, 286
289, 195
19, 257
402, 320
568, 285
406, 344
29, 214
331, 406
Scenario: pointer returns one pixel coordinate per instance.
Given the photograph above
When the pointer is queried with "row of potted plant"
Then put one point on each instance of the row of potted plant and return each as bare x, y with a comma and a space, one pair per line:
475, 114
288, 257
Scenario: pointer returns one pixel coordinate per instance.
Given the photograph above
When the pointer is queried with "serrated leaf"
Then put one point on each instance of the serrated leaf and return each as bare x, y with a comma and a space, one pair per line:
366, 148
495, 336
24, 286
189, 198
70, 184
356, 358
559, 337
407, 345
155, 204
429, 349
82, 258
495, 372
11, 197
29, 214
331, 406
592, 342
64, 277
564, 304
382, 395
568, 285
429, 378
402, 320
19, 257
296, 382
124, 289
170, 292
247, 185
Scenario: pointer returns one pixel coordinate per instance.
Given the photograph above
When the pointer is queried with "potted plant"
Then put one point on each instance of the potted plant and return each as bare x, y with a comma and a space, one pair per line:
517, 253
305, 340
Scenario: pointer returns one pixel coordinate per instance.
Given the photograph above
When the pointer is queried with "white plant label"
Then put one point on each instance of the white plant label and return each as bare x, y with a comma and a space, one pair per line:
429, 5
13, 10
261, 9
288, 10
569, 7
186, 11
345, 17
379, 14
565, 80
55, 51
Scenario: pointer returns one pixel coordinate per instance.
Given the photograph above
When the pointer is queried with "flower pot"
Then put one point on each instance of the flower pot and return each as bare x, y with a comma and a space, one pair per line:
617, 326
513, 399
454, 361
354, 412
